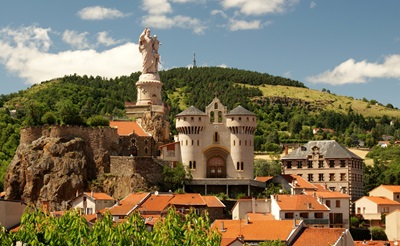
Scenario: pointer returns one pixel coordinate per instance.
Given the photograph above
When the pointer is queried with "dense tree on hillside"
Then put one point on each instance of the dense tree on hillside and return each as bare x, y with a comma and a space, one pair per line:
79, 100
385, 169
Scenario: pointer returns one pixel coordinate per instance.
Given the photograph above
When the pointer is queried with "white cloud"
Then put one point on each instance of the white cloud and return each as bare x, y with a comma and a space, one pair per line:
165, 22
313, 4
157, 7
99, 13
75, 39
189, 1
219, 12
24, 52
28, 36
236, 25
103, 38
223, 65
351, 71
259, 7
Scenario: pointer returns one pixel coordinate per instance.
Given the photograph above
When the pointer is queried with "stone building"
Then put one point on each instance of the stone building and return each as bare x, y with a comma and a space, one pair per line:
329, 164
217, 146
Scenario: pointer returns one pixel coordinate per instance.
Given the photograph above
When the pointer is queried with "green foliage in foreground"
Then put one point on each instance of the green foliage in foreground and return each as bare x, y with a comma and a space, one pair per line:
38, 228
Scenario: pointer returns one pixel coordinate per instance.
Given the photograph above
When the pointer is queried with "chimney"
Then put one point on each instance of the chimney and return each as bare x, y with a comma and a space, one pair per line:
286, 150
222, 229
246, 221
91, 193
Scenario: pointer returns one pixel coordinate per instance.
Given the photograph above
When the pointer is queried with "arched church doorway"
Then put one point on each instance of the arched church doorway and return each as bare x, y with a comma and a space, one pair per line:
216, 167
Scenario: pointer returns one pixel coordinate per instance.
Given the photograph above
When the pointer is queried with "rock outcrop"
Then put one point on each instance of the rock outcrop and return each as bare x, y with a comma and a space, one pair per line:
48, 169
54, 163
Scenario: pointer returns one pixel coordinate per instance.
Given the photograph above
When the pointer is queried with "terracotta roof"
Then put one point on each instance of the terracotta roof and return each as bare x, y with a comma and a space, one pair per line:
257, 230
91, 217
381, 200
99, 196
319, 236
301, 183
213, 202
260, 216
328, 194
170, 146
126, 128
128, 204
392, 188
228, 241
299, 203
264, 178
188, 199
151, 219
156, 203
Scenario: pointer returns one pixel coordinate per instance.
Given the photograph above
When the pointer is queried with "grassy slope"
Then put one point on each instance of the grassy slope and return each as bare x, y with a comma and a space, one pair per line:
329, 101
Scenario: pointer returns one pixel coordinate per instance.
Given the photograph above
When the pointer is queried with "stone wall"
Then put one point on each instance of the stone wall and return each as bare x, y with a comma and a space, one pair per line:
122, 165
100, 142
147, 167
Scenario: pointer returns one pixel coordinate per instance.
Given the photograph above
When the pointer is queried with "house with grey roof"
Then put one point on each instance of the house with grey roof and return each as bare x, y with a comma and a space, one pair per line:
329, 164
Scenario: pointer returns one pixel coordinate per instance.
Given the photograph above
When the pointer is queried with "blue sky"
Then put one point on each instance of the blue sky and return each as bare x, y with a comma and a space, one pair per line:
351, 48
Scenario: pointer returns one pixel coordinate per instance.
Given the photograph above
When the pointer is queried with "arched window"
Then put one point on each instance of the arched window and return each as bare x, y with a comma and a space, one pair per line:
212, 116
215, 105
219, 116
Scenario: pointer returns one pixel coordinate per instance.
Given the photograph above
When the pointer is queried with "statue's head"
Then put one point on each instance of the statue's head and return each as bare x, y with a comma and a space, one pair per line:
148, 32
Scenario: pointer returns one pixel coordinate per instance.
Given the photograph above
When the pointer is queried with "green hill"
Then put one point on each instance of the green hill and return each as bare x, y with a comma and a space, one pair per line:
286, 110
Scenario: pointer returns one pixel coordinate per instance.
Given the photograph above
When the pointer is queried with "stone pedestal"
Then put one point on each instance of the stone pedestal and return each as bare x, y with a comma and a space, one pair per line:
149, 89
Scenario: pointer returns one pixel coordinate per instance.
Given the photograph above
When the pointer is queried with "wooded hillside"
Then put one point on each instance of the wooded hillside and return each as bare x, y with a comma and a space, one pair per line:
286, 110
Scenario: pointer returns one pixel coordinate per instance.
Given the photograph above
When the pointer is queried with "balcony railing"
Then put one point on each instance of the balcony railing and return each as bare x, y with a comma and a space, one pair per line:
316, 221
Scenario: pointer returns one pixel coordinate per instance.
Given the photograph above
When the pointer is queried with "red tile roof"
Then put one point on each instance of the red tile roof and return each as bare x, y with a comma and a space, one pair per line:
301, 183
299, 203
256, 230
190, 199
380, 200
328, 194
170, 146
126, 128
319, 236
228, 241
213, 202
392, 188
264, 178
259, 216
156, 203
128, 204
99, 196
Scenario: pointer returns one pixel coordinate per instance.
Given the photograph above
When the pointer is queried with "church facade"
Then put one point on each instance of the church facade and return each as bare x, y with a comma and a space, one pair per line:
215, 144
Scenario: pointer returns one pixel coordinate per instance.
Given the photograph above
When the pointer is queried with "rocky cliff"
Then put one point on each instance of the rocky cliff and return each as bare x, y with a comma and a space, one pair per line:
48, 169
67, 160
